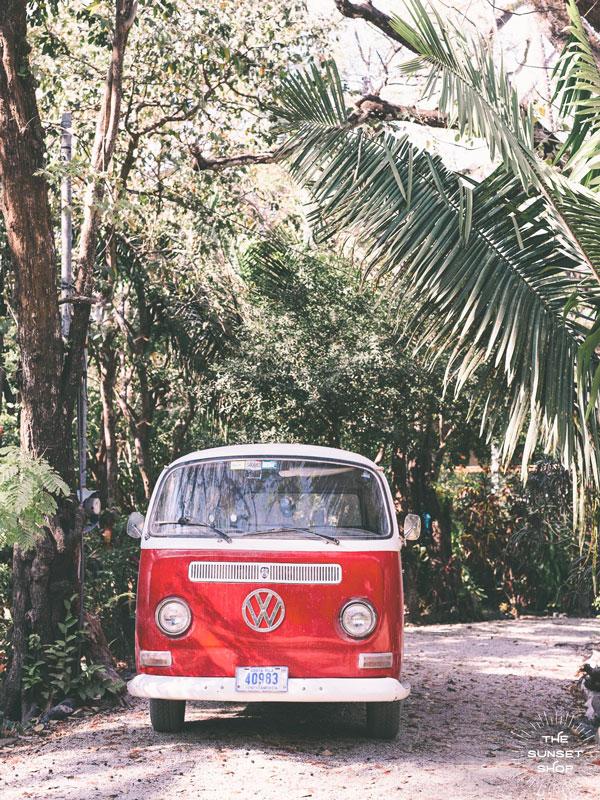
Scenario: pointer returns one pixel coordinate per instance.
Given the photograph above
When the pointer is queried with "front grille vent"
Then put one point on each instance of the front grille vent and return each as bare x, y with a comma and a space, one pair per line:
255, 572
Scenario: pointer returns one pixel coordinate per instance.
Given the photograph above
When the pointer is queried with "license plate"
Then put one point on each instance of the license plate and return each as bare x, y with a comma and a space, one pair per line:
261, 679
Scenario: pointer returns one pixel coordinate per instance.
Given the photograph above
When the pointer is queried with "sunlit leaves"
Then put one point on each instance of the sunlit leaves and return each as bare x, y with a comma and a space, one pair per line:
475, 92
578, 92
483, 266
321, 359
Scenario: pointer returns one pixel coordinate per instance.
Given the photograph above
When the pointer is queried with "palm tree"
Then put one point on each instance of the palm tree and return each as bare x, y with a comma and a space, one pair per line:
503, 275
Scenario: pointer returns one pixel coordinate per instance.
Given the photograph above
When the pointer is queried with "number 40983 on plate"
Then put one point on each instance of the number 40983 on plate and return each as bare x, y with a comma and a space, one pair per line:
261, 679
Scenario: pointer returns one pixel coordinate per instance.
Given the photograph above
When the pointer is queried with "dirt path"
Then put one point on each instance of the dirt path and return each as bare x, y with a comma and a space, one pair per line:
472, 686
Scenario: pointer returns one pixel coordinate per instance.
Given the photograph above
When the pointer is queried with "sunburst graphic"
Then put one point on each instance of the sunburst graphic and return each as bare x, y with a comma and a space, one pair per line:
552, 749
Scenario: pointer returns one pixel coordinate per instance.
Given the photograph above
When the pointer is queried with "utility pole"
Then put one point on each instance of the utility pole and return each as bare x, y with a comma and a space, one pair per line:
66, 225
66, 275
82, 419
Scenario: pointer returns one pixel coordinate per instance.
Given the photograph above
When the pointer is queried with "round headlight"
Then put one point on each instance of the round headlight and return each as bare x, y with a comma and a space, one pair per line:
358, 618
173, 616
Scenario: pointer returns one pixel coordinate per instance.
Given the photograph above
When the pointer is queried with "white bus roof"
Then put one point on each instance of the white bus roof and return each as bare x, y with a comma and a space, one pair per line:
299, 451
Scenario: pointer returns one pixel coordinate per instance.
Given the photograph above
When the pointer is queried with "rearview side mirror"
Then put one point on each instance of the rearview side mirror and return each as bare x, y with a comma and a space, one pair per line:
135, 525
412, 527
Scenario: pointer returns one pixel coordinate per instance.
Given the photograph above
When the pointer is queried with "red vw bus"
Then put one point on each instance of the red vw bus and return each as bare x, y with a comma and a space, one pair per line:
271, 573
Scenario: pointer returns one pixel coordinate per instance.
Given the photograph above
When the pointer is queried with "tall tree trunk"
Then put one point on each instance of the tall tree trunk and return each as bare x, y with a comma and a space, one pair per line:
139, 421
44, 576
26, 212
107, 369
41, 574
139, 413
141, 441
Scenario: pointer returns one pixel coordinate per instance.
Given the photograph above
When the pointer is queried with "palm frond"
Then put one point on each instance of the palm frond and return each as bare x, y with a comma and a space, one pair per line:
475, 91
271, 266
578, 94
488, 274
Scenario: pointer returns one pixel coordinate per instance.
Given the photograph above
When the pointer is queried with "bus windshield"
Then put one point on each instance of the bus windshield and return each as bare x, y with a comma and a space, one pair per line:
233, 498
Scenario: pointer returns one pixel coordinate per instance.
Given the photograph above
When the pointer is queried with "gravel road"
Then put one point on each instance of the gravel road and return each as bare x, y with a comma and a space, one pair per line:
478, 692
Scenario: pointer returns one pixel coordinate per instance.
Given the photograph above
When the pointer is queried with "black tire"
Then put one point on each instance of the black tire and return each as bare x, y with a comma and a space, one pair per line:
383, 720
167, 716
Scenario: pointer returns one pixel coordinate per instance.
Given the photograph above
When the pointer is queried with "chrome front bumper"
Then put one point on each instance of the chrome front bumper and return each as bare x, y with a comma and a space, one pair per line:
300, 690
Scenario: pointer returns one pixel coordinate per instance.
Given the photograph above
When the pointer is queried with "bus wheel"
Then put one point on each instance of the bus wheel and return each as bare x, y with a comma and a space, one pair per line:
167, 716
383, 720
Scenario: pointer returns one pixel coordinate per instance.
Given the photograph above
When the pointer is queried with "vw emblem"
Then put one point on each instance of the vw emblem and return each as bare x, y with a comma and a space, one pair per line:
263, 610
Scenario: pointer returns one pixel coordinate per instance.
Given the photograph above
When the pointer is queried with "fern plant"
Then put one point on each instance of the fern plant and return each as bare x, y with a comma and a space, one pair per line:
29, 489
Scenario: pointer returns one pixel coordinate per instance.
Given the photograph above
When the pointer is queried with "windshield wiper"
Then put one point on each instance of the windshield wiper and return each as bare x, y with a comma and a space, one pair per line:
284, 529
196, 524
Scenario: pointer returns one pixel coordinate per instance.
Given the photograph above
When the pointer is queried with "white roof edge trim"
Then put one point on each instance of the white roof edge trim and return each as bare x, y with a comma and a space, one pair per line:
275, 450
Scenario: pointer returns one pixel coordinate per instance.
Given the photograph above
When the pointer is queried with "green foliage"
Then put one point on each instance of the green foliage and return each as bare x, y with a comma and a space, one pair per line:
486, 104
57, 670
320, 359
39, 11
504, 274
110, 588
29, 488
295, 344
194, 80
578, 93
480, 265
514, 545
195, 320
477, 93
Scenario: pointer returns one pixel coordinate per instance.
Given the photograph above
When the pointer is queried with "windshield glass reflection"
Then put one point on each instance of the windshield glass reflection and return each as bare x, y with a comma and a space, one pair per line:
270, 497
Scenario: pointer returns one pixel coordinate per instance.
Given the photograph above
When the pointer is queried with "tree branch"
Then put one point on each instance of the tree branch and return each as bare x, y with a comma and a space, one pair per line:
372, 107
368, 108
105, 140
218, 164
367, 11
77, 299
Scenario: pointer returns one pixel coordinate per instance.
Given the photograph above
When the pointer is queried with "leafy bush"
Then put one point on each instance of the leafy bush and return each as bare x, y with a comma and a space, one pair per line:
111, 580
57, 670
110, 586
514, 544
28, 491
